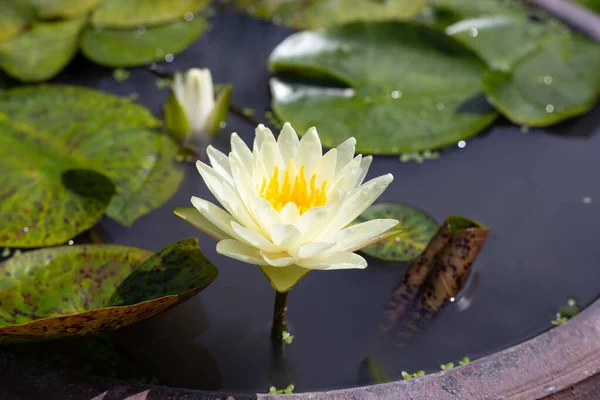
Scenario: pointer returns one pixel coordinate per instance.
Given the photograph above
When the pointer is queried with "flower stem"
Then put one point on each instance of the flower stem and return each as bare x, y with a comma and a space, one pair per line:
279, 316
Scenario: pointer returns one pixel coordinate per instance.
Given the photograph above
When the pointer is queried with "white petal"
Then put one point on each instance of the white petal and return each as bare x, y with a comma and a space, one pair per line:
239, 251
266, 216
325, 167
289, 213
310, 151
239, 147
356, 236
226, 194
242, 181
346, 178
178, 88
214, 214
313, 249
271, 157
345, 153
311, 222
338, 260
288, 142
220, 163
262, 134
281, 259
285, 236
365, 163
357, 202
253, 239
200, 222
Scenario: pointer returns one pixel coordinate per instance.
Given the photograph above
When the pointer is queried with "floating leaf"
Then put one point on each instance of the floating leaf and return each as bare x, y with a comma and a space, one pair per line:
323, 13
78, 290
131, 47
556, 82
410, 87
56, 142
61, 8
434, 277
418, 226
14, 17
501, 41
448, 12
131, 13
42, 52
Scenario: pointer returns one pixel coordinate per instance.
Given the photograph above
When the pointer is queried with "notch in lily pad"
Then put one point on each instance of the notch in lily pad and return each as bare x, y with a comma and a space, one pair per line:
80, 290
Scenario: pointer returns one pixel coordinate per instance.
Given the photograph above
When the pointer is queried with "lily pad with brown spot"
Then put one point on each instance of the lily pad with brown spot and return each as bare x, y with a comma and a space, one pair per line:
79, 290
57, 142
419, 227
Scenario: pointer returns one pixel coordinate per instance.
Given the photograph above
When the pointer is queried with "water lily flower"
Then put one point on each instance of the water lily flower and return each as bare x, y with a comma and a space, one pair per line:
192, 113
287, 207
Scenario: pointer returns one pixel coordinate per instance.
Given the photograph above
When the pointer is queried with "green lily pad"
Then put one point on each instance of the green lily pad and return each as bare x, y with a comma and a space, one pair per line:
448, 12
79, 290
324, 13
55, 141
410, 88
131, 13
62, 8
14, 17
41, 52
131, 47
556, 82
501, 41
419, 228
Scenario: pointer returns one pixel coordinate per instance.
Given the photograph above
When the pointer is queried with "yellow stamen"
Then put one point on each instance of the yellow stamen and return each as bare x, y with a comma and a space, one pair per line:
303, 193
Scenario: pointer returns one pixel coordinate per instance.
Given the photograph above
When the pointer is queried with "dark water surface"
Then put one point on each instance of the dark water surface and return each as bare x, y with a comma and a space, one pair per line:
527, 187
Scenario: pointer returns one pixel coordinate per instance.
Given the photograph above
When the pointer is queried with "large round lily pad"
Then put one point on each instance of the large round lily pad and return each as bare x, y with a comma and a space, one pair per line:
418, 229
60, 148
131, 47
79, 290
324, 13
409, 88
593, 5
41, 52
131, 13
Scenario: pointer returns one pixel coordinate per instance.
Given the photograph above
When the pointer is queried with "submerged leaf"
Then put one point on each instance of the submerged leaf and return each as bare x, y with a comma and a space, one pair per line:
131, 13
61, 149
434, 277
371, 372
41, 52
78, 290
418, 226
410, 88
132, 47
323, 13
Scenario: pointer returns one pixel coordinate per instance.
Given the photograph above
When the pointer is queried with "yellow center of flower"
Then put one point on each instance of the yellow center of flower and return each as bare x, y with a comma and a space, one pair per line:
300, 191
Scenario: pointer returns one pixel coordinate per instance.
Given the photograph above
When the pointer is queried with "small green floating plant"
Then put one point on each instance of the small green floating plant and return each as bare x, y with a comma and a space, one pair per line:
566, 312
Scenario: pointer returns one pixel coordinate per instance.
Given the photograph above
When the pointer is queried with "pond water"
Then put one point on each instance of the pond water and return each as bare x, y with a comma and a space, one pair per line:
536, 190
